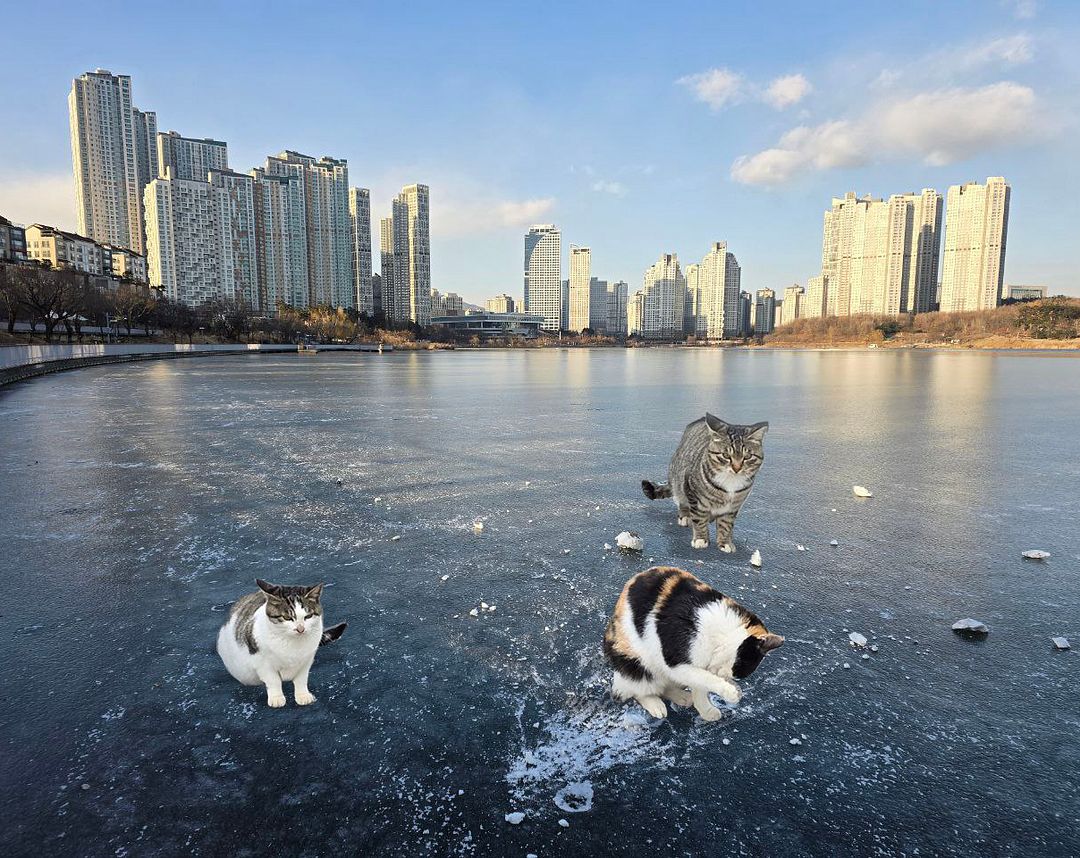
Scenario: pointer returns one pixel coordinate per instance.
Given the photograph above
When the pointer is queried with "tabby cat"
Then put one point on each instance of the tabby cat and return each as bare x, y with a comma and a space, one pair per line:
710, 476
271, 636
671, 632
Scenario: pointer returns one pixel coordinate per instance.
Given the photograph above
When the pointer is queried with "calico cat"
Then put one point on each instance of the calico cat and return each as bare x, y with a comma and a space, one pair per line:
710, 476
671, 632
271, 636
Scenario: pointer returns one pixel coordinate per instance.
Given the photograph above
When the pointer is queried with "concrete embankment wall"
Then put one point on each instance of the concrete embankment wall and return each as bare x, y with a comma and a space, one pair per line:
21, 362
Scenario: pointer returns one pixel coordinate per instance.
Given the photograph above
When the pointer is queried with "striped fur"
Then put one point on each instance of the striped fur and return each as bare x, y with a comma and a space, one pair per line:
673, 636
710, 477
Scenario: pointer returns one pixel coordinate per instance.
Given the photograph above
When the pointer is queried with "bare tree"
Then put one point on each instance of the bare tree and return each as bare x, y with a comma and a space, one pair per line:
11, 295
52, 296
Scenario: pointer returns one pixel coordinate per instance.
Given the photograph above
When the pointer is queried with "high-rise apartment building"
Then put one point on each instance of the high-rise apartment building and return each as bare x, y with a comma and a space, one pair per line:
387, 274
107, 139
543, 275
281, 232
188, 241
189, 158
764, 311
12, 241
580, 291
719, 282
695, 319
500, 304
616, 308
376, 294
144, 124
816, 297
881, 256
329, 228
976, 228
660, 313
416, 203
449, 304
791, 308
236, 198
746, 321
360, 219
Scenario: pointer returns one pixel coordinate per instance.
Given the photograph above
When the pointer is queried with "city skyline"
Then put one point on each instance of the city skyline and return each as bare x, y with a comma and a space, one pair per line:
629, 195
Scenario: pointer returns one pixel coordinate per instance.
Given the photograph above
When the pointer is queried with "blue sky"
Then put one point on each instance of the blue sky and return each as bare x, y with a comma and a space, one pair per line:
638, 128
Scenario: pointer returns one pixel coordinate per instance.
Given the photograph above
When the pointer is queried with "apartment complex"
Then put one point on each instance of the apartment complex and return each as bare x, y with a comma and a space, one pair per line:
449, 304
59, 249
973, 260
719, 282
791, 308
881, 256
543, 275
580, 294
12, 241
281, 232
657, 310
615, 304
500, 304
111, 158
764, 311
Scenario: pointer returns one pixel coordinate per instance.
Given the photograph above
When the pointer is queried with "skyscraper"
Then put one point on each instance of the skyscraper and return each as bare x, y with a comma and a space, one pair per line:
329, 228
765, 311
580, 292
189, 158
387, 274
720, 278
976, 228
813, 302
791, 308
660, 314
108, 160
198, 241
543, 275
746, 322
695, 320
418, 261
281, 239
146, 155
360, 218
616, 308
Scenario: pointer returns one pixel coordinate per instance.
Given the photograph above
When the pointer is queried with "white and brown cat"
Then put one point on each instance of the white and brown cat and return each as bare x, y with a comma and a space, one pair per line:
271, 637
674, 637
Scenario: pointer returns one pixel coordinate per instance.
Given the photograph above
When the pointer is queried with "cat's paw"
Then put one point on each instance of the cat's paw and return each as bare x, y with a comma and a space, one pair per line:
304, 698
731, 695
684, 521
727, 548
710, 714
275, 701
699, 543
679, 696
654, 706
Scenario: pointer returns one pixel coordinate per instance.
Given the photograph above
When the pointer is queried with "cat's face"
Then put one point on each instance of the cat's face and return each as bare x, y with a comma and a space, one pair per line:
755, 646
295, 610
736, 449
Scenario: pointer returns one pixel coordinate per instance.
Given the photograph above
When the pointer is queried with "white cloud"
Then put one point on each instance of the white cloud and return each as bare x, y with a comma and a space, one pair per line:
716, 87
787, 90
1010, 50
47, 198
457, 217
937, 127
617, 189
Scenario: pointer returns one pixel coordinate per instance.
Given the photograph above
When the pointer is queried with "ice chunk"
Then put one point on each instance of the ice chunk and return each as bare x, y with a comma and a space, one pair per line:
755, 559
607, 546
484, 605
833, 543
847, 666
968, 626
478, 526
377, 500
515, 818
575, 797
445, 578
800, 547
726, 741
861, 492
1060, 643
1035, 554
474, 613
630, 541
563, 823
873, 647
395, 537
794, 740
857, 640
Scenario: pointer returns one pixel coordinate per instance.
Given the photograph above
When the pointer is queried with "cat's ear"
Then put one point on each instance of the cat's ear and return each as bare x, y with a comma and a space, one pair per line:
770, 642
715, 423
314, 593
268, 588
757, 432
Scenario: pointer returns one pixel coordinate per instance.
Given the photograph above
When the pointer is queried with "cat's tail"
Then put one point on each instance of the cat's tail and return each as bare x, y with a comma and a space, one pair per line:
332, 634
655, 491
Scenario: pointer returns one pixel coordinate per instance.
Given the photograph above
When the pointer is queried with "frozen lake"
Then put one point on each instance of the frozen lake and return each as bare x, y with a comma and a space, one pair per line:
138, 501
